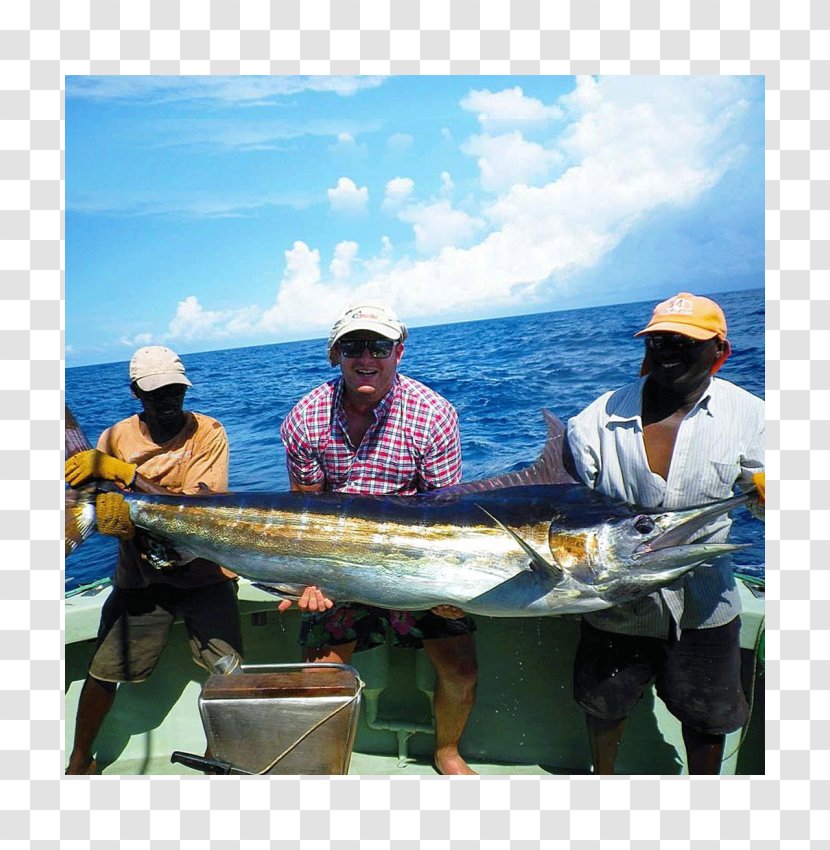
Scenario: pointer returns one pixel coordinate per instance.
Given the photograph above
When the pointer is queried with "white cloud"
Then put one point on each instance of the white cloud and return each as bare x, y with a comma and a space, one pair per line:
633, 146
346, 197
398, 190
243, 89
250, 134
437, 225
344, 255
185, 204
382, 261
509, 159
302, 265
447, 186
399, 143
303, 300
346, 145
508, 107
680, 123
192, 321
586, 96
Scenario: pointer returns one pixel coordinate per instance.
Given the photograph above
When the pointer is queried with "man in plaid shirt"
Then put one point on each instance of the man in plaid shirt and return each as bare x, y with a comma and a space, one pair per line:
373, 431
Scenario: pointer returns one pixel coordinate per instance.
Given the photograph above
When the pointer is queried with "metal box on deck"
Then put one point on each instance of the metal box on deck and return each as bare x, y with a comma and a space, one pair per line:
253, 716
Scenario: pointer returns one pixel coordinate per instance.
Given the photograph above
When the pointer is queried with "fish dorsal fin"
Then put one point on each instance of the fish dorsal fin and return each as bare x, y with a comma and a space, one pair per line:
537, 563
550, 467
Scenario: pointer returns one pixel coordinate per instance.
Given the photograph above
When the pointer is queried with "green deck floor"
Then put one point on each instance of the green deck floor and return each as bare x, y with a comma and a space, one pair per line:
524, 720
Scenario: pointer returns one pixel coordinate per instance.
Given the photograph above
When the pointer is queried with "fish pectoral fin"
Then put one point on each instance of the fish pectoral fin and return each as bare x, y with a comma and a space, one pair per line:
538, 564
286, 591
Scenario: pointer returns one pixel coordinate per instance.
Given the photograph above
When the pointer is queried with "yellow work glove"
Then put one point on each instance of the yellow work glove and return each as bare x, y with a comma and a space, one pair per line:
112, 513
760, 482
94, 464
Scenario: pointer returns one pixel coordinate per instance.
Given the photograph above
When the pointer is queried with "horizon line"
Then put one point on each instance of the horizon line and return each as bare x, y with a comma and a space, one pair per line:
434, 325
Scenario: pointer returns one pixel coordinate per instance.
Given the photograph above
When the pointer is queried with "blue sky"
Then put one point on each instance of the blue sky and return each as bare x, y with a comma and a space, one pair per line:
217, 212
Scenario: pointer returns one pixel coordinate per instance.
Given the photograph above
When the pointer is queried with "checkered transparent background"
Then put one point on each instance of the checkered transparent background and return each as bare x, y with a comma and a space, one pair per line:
43, 40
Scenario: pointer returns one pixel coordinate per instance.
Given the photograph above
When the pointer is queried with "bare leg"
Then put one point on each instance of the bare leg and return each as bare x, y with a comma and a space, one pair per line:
704, 753
605, 737
340, 654
93, 706
456, 675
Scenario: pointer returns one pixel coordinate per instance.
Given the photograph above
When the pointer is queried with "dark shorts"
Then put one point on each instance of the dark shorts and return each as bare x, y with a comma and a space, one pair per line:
697, 676
347, 622
135, 625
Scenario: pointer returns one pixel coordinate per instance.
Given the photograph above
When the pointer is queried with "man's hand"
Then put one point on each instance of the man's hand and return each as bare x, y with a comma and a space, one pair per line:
112, 515
313, 600
94, 464
448, 612
760, 482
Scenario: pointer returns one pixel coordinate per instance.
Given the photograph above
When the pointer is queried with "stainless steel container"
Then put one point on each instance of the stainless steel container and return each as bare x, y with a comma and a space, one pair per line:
253, 717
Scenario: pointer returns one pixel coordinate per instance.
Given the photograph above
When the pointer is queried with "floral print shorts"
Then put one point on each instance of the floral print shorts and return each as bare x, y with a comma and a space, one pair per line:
347, 622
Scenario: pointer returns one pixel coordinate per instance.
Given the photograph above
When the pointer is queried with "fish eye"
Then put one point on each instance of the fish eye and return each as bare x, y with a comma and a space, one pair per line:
644, 524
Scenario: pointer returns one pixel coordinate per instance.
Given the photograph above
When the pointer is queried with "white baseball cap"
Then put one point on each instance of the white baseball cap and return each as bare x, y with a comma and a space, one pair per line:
370, 316
156, 366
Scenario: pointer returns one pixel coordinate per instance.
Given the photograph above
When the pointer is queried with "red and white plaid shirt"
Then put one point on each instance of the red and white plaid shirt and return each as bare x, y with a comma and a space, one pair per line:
413, 444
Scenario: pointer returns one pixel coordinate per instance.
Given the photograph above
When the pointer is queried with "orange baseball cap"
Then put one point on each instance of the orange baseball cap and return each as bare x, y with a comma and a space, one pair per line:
687, 314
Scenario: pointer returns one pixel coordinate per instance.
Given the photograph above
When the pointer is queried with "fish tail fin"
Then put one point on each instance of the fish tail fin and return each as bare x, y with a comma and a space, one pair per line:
79, 517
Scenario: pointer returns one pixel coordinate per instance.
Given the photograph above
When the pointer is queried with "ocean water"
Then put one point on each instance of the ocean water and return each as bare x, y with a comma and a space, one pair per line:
499, 374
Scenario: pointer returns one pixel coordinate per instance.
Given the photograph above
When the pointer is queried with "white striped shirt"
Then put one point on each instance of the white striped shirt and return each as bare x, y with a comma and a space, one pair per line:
720, 444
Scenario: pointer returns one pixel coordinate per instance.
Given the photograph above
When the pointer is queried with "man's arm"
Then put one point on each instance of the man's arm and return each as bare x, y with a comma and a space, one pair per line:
305, 472
441, 463
313, 599
97, 463
752, 468
302, 463
305, 488
207, 466
441, 467
580, 457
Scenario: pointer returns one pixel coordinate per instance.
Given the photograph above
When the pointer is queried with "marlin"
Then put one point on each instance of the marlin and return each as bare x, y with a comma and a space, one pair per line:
529, 543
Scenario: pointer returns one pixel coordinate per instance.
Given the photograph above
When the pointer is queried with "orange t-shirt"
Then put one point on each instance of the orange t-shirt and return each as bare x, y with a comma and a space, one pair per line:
197, 454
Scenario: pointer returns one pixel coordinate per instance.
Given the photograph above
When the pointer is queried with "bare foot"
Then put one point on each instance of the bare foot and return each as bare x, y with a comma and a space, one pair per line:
90, 768
450, 763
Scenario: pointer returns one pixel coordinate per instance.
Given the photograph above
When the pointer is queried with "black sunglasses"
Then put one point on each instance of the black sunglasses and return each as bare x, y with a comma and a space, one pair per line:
660, 341
380, 349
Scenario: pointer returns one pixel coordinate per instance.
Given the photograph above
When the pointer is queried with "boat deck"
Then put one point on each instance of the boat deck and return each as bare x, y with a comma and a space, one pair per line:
524, 720
362, 764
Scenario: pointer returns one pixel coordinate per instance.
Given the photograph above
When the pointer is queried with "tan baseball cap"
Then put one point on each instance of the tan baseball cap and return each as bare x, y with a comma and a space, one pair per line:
156, 366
